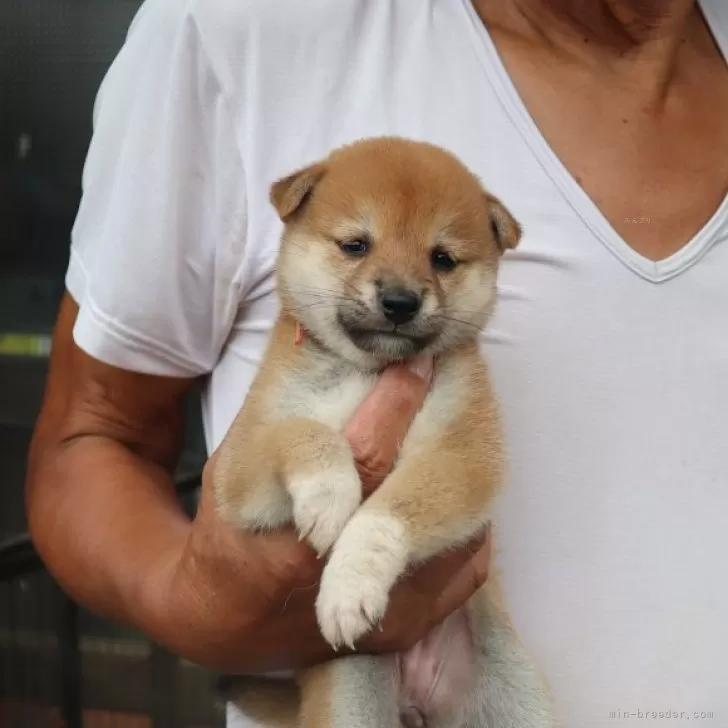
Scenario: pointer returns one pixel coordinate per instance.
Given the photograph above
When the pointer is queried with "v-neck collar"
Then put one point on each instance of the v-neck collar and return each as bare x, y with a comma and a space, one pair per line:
651, 270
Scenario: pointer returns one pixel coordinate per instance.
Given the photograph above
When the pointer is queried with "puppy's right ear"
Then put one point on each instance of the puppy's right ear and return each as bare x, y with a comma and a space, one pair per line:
287, 195
506, 231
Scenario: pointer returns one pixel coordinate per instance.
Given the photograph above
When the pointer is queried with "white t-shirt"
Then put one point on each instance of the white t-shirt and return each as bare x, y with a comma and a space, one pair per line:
612, 370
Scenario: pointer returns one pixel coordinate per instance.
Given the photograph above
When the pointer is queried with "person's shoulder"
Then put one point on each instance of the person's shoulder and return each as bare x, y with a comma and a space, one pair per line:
222, 19
276, 39
240, 17
233, 36
269, 18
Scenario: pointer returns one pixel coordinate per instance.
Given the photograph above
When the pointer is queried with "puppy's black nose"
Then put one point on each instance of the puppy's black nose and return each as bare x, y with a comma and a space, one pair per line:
399, 305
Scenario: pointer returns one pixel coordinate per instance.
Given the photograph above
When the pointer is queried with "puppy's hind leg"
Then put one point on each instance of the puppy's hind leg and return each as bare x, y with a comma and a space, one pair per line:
509, 691
267, 701
351, 692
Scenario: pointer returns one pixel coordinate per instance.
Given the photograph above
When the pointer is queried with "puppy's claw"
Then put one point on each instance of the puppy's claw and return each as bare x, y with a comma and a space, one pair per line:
370, 613
346, 617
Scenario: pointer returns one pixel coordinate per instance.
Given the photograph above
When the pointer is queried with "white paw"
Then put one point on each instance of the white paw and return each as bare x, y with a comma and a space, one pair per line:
347, 608
323, 504
368, 558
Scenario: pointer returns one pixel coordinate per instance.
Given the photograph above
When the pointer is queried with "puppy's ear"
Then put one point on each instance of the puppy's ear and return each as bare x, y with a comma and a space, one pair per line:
506, 230
288, 194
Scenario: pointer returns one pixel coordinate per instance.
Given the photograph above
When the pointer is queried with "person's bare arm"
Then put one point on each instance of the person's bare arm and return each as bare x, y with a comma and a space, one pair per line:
105, 519
100, 499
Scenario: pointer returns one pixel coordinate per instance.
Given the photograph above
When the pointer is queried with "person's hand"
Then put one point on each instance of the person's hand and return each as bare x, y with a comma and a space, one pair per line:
248, 600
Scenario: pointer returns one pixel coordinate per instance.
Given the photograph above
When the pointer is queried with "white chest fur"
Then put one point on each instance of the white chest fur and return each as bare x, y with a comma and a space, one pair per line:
446, 400
330, 391
327, 391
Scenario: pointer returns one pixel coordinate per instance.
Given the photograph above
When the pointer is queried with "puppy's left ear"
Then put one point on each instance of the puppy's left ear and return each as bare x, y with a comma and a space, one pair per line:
289, 194
506, 230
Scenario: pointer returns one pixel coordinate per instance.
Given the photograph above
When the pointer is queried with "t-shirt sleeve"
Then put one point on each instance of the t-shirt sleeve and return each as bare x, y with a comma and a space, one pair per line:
157, 243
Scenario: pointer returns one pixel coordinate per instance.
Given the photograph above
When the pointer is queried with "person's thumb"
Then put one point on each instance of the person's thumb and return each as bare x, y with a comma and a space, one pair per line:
381, 422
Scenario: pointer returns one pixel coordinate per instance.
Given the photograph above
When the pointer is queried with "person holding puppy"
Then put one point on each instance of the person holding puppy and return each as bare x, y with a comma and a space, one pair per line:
603, 128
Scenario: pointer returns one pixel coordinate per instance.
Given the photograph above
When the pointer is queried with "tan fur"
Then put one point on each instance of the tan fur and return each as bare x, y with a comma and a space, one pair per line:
274, 703
285, 460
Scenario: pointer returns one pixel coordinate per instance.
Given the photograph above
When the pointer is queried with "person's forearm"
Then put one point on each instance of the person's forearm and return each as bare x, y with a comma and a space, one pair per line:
106, 522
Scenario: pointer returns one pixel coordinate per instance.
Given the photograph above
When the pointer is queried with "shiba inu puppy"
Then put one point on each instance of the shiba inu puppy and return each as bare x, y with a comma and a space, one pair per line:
390, 251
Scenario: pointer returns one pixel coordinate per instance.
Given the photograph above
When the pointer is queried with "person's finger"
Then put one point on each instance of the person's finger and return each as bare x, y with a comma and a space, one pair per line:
433, 592
380, 424
437, 574
471, 575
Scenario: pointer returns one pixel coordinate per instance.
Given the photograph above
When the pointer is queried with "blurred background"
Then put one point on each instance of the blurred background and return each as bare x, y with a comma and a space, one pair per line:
60, 666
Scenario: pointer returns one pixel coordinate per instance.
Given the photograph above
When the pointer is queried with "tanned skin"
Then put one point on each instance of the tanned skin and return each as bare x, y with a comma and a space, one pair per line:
105, 519
632, 96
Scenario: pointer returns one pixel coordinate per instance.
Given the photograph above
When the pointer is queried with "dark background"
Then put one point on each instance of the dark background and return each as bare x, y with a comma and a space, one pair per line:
53, 57
61, 667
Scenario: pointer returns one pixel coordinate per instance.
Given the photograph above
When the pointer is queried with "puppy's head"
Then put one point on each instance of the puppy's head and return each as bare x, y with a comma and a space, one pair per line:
390, 250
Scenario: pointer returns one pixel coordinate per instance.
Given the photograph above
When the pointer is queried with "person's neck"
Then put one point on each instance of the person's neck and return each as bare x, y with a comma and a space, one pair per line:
644, 35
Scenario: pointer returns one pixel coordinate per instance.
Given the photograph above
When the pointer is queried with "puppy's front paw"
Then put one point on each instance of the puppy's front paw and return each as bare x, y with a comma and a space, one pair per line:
369, 556
324, 502
348, 606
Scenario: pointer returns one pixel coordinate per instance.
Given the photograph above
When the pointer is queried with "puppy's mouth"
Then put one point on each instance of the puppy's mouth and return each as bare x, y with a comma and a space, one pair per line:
388, 343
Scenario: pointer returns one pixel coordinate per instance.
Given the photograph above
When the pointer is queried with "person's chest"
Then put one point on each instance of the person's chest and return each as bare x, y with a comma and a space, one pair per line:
608, 365
612, 375
614, 394
614, 391
435, 74
647, 144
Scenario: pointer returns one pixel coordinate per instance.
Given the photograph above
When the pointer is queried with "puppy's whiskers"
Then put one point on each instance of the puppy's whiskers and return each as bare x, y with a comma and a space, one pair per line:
320, 293
455, 320
325, 302
309, 306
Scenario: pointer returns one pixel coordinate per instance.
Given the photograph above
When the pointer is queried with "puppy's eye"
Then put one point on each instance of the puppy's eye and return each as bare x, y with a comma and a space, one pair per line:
355, 248
442, 260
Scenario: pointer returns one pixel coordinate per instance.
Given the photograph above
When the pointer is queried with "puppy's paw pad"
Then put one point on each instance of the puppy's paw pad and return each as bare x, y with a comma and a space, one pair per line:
349, 607
323, 503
